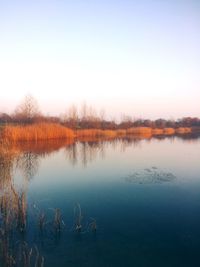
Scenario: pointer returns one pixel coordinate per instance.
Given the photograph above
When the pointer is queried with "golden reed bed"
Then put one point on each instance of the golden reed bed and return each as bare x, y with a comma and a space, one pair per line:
47, 131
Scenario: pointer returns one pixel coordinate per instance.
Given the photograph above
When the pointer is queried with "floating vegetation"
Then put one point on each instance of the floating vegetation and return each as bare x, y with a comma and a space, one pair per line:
149, 176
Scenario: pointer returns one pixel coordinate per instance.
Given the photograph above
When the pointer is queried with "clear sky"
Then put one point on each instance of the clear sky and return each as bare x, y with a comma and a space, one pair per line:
135, 57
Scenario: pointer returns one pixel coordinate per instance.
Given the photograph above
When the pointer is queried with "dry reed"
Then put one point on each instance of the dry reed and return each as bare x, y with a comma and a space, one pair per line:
121, 132
49, 131
139, 130
35, 132
183, 130
169, 131
157, 131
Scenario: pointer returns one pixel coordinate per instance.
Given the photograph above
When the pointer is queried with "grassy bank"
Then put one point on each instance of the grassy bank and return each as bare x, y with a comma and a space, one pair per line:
47, 131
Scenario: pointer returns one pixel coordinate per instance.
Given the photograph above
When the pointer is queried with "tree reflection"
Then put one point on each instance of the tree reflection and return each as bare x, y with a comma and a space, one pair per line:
85, 152
28, 163
72, 153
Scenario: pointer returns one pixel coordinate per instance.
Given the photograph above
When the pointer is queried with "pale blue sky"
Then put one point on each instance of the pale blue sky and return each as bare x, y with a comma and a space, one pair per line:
136, 57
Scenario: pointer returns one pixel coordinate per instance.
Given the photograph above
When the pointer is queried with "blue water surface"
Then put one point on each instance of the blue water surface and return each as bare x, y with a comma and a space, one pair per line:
144, 196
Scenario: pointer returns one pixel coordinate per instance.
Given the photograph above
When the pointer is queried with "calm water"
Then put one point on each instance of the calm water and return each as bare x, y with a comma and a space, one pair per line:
142, 195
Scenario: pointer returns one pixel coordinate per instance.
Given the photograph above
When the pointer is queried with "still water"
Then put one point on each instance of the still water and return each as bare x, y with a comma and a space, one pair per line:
130, 202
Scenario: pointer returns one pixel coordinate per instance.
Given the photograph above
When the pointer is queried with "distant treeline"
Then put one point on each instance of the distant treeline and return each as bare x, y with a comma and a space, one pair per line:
85, 117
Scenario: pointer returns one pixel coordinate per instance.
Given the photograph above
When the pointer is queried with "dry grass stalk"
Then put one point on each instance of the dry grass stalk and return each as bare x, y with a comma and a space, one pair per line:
139, 130
157, 131
169, 131
35, 132
78, 217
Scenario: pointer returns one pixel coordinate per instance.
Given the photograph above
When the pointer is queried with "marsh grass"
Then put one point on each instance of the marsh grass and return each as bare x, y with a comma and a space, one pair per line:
183, 130
35, 132
157, 131
52, 131
140, 130
169, 131
14, 250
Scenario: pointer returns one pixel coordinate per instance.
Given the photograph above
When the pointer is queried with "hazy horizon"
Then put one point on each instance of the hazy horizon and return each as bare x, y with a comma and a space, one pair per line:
139, 58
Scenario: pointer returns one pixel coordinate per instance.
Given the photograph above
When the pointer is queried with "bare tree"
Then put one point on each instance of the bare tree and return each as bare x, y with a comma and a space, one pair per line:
71, 116
28, 110
84, 111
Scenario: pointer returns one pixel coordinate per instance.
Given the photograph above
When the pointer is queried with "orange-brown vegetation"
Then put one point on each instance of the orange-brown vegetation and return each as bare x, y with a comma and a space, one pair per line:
157, 131
169, 131
41, 147
47, 131
35, 132
183, 130
139, 130
121, 132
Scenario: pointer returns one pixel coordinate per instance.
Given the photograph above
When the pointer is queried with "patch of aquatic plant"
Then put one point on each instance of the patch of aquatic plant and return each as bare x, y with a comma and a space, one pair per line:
52, 223
13, 250
149, 176
47, 226
79, 226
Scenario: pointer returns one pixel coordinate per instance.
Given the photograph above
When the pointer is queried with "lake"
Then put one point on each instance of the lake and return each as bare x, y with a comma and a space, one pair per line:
101, 203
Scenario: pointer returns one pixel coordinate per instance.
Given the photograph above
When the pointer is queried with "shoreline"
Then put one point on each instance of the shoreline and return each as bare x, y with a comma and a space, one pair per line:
52, 131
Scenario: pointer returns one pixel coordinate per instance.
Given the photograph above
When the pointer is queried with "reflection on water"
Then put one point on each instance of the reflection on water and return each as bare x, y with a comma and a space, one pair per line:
28, 163
31, 232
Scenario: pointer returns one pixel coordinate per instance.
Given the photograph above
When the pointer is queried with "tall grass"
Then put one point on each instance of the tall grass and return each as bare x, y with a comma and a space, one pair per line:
140, 130
183, 130
48, 131
35, 132
157, 131
169, 131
